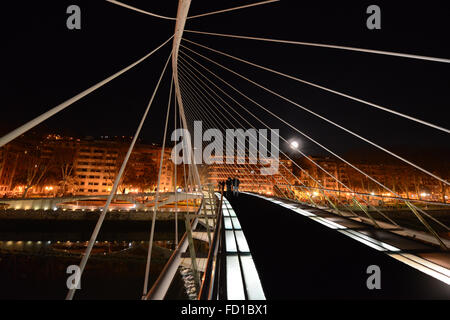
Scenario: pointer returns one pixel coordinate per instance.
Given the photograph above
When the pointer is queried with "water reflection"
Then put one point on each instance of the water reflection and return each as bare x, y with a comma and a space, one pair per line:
37, 269
25, 246
77, 247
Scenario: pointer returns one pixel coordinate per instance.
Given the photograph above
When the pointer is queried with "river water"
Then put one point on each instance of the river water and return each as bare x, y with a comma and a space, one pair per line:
33, 264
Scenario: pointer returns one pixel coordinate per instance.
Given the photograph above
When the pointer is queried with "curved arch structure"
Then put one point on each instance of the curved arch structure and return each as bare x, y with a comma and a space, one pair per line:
183, 9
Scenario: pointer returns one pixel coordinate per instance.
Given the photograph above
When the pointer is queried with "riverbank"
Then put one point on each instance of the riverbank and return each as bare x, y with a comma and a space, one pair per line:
74, 230
83, 215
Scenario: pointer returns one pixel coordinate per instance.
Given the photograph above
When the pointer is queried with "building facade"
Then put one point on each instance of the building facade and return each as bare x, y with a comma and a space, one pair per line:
57, 165
404, 180
250, 176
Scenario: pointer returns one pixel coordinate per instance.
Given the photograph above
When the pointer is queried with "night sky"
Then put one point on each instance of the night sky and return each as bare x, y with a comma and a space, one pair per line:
44, 63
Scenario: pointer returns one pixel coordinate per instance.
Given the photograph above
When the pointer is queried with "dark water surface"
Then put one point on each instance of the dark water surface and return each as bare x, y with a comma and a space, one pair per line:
33, 262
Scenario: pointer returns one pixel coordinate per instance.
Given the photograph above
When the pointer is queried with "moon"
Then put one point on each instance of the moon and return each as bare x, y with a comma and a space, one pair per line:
294, 144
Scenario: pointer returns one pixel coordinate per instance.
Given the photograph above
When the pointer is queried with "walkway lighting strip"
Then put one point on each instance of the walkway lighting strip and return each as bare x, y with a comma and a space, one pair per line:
421, 267
242, 277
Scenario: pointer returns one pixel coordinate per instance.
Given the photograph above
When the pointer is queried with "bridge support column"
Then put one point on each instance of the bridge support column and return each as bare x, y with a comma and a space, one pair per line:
183, 9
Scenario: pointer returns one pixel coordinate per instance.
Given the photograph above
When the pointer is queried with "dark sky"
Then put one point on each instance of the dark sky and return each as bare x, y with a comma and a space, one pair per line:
44, 63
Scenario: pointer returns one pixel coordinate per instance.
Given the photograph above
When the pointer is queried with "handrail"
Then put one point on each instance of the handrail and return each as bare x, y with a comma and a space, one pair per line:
369, 195
176, 252
206, 292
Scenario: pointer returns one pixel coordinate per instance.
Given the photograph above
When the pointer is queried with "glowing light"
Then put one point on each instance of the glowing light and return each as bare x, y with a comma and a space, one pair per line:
294, 145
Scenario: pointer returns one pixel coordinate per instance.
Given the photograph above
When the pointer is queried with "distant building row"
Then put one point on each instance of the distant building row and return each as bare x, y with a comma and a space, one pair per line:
55, 166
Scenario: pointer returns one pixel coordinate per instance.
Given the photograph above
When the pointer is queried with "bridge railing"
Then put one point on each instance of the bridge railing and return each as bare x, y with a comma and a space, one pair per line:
391, 212
164, 280
210, 276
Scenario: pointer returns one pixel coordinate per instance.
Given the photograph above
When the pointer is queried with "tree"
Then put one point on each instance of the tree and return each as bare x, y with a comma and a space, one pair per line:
33, 168
64, 158
141, 172
113, 167
129, 178
148, 178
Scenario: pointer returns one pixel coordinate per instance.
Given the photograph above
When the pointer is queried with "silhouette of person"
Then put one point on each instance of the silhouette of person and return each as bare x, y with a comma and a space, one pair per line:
236, 186
229, 183
221, 185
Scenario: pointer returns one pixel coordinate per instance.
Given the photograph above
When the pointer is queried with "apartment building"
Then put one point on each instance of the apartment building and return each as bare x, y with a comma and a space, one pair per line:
8, 164
402, 179
97, 164
250, 176
83, 167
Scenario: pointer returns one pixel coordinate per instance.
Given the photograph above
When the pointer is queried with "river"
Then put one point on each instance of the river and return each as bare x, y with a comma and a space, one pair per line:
33, 262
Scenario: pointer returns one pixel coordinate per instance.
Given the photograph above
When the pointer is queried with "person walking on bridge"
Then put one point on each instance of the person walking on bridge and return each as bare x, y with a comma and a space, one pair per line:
236, 187
229, 183
221, 185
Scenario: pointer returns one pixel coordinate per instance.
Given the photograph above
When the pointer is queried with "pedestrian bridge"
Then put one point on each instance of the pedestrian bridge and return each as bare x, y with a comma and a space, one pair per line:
305, 242
280, 249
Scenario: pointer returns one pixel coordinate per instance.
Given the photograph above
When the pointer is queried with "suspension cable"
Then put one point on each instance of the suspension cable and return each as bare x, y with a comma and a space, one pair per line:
325, 119
223, 116
32, 123
140, 10
205, 85
323, 88
222, 126
155, 205
232, 9
94, 235
311, 44
323, 147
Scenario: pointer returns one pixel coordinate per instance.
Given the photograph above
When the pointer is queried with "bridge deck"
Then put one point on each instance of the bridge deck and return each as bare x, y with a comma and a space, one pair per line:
299, 255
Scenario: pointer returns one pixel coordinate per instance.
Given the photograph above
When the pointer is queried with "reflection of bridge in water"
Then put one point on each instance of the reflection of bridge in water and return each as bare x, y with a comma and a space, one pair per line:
125, 202
252, 247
